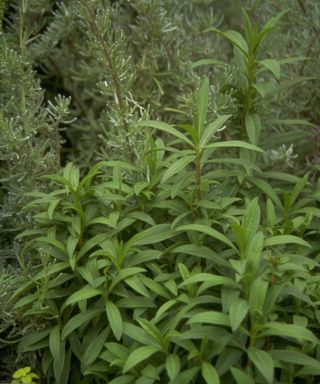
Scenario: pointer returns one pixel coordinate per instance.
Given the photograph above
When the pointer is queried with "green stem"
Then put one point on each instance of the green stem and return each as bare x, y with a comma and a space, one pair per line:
198, 173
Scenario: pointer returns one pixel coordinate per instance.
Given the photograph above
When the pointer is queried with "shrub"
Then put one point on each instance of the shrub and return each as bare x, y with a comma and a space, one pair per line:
189, 253
168, 274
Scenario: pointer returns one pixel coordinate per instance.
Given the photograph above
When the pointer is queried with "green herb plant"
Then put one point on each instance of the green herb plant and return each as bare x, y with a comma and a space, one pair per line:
172, 274
254, 90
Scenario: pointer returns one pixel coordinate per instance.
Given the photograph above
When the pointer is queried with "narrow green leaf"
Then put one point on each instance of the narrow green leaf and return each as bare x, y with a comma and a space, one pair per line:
140, 335
54, 242
268, 190
91, 243
209, 373
293, 60
173, 365
201, 62
257, 295
79, 320
254, 251
123, 379
235, 144
211, 129
84, 293
164, 127
176, 167
52, 206
124, 274
93, 350
294, 357
186, 376
270, 24
252, 218
202, 252
210, 317
288, 330
212, 279
201, 106
137, 356
234, 37
142, 216
285, 239
206, 230
72, 173
60, 180
253, 128
241, 377
273, 66
151, 329
237, 312
115, 319
54, 342
153, 235
263, 362
71, 245
25, 301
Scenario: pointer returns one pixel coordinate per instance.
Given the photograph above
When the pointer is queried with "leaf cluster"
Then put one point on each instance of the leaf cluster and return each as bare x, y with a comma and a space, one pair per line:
173, 275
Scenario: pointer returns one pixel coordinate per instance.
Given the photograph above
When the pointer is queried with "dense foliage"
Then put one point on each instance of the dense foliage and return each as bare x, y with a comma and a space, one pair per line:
159, 192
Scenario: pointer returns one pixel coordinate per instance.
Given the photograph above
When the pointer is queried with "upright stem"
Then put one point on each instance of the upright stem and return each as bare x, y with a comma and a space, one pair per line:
248, 95
198, 173
106, 52
119, 98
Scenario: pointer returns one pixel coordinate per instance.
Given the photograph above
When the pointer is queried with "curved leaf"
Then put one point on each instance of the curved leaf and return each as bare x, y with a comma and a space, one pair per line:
137, 356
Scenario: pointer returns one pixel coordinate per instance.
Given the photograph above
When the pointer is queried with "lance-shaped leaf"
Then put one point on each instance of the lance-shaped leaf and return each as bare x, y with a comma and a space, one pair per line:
153, 235
84, 293
173, 365
235, 144
176, 167
293, 331
200, 107
234, 37
208, 231
285, 239
210, 317
263, 362
201, 62
79, 320
164, 127
273, 66
115, 319
241, 377
237, 312
209, 373
137, 356
211, 129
